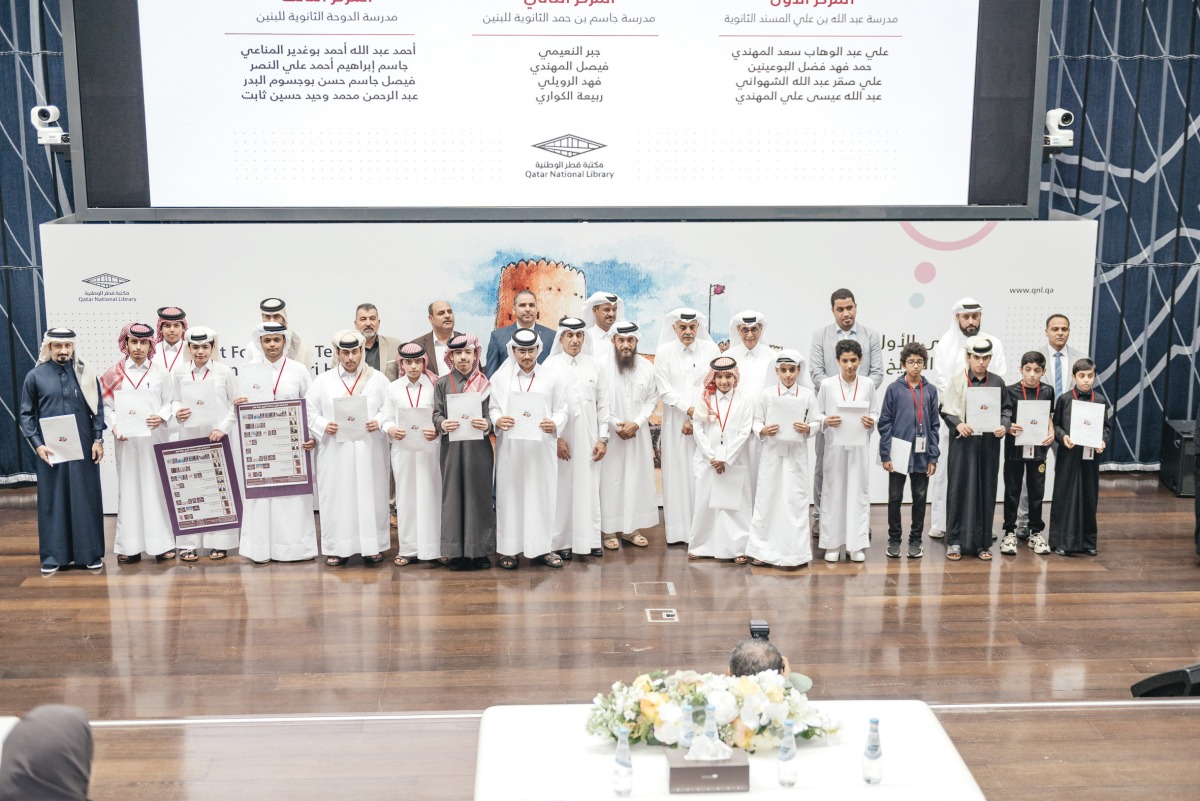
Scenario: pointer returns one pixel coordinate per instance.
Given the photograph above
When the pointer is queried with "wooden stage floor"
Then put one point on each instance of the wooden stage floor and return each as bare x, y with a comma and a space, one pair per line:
230, 639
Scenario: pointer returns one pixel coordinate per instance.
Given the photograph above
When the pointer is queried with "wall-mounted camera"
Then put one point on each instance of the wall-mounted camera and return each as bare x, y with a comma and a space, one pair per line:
44, 119
760, 630
1058, 120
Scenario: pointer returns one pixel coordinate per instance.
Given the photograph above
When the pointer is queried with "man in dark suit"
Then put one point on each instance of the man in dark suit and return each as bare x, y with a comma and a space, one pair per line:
441, 325
525, 313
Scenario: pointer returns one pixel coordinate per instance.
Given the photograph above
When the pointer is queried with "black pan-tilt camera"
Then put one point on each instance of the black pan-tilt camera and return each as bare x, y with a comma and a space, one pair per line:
760, 630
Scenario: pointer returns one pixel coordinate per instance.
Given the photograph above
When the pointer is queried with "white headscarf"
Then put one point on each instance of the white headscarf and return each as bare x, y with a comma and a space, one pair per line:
802, 378
954, 400
504, 379
668, 334
741, 319
576, 324
260, 331
948, 352
84, 374
599, 299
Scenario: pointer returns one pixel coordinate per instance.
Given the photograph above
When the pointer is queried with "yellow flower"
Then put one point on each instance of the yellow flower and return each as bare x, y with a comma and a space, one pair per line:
742, 735
746, 686
775, 695
642, 683
650, 703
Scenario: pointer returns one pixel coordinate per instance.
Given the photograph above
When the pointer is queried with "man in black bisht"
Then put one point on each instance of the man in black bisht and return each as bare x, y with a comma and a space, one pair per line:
70, 514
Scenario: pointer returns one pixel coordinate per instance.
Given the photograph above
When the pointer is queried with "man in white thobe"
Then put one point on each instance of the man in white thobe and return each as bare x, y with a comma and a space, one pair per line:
171, 352
606, 309
628, 495
582, 442
274, 310
947, 358
142, 519
685, 349
279, 529
352, 464
526, 456
756, 365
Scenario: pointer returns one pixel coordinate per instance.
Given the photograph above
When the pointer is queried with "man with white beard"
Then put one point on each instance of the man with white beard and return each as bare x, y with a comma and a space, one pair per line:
628, 499
582, 442
948, 362
352, 474
685, 349
526, 469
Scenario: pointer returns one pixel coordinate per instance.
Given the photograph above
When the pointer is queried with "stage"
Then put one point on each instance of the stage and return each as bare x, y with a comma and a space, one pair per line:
1026, 660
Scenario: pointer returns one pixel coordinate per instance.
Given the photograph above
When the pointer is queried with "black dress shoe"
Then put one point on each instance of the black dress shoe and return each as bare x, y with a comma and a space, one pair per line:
597, 553
1059, 552
1090, 551
481, 563
458, 563
567, 554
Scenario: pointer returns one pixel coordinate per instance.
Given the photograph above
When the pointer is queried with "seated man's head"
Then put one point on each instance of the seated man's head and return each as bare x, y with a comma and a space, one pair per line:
751, 657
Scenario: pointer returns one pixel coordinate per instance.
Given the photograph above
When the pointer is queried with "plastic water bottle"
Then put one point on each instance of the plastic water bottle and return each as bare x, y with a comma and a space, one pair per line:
623, 765
789, 765
689, 725
873, 756
710, 722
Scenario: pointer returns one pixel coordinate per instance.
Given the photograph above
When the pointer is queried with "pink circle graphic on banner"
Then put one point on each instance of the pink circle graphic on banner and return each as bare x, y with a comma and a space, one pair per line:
958, 244
925, 272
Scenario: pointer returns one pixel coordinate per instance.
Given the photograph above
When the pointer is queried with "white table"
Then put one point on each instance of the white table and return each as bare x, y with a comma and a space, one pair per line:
543, 753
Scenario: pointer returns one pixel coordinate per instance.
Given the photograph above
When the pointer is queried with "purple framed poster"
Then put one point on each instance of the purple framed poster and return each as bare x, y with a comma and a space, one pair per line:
273, 456
200, 484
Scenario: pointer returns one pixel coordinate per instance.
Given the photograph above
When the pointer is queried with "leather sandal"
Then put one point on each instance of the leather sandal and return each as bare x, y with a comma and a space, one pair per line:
401, 561
188, 555
548, 559
336, 561
612, 543
637, 538
508, 562
216, 554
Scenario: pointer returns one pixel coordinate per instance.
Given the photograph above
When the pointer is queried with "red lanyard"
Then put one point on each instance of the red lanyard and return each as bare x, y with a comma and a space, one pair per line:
532, 376
350, 389
919, 406
408, 391
170, 367
1036, 392
202, 377
1076, 395
967, 373
275, 391
138, 385
467, 387
727, 411
843, 389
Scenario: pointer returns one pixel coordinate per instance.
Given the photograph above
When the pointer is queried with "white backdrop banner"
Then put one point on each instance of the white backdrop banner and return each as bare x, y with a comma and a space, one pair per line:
905, 276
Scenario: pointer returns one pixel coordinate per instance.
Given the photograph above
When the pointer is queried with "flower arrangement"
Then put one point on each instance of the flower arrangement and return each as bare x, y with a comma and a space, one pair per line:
750, 710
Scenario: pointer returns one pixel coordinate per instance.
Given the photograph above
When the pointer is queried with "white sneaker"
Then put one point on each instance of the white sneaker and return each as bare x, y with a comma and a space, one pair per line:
832, 556
858, 556
1009, 543
1038, 543
937, 533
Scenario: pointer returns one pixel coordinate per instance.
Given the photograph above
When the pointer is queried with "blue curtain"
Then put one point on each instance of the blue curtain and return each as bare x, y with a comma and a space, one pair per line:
1128, 69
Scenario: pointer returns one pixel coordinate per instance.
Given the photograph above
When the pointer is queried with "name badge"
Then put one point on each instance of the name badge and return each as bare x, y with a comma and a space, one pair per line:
719, 452
919, 445
1028, 454
1089, 453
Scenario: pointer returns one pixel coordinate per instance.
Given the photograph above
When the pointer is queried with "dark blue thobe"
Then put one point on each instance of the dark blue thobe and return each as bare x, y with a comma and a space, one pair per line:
70, 511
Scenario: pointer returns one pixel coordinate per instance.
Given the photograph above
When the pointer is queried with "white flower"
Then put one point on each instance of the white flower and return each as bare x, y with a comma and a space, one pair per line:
726, 706
668, 730
774, 715
752, 710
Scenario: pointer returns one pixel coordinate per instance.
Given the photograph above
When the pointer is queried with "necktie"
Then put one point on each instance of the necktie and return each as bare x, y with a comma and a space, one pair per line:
1058, 376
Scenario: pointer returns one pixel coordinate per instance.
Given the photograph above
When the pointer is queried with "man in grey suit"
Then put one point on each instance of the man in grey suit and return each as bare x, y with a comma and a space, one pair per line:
380, 351
822, 363
525, 313
441, 324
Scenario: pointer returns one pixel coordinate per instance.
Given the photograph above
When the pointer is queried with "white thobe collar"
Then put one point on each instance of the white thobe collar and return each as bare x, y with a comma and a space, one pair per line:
848, 384
131, 365
783, 391
344, 375
724, 396
414, 384
276, 365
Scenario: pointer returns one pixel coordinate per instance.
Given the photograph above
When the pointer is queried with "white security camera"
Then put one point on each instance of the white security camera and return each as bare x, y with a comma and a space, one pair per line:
1057, 120
43, 119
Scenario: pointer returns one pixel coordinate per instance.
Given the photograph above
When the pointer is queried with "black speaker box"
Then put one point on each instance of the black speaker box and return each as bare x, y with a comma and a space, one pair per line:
1178, 468
1173, 683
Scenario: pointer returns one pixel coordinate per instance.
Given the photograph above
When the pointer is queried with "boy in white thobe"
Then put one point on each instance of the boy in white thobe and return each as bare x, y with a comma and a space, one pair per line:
846, 499
582, 442
779, 531
142, 519
684, 350
214, 423
279, 529
352, 471
415, 465
722, 424
628, 495
526, 469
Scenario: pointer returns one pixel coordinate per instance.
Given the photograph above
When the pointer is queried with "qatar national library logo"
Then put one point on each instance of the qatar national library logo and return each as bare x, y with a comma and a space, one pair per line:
105, 280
